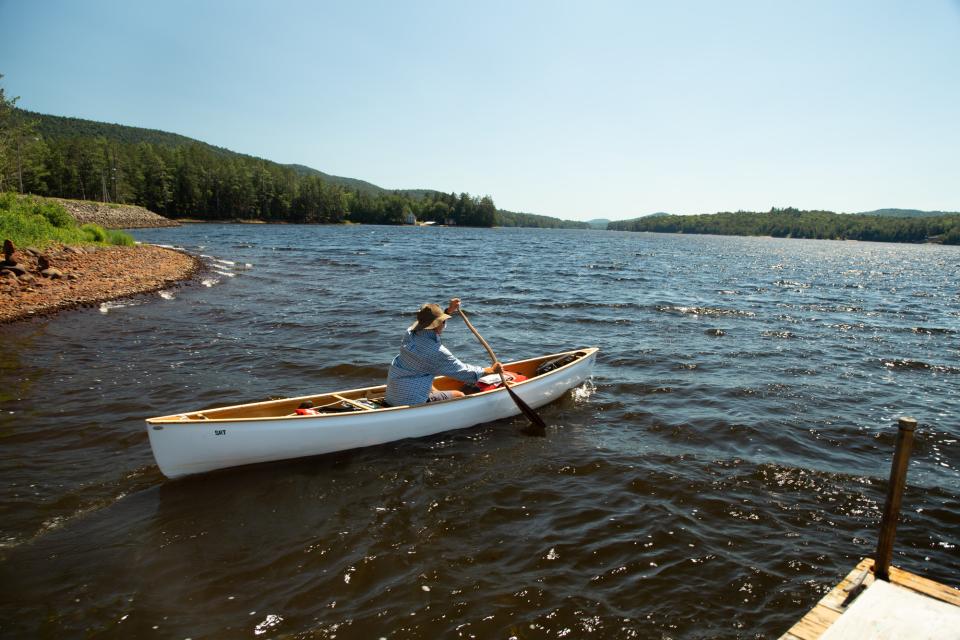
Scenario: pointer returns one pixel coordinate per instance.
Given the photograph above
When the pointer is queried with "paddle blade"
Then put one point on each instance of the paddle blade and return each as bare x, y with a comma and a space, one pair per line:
535, 420
537, 425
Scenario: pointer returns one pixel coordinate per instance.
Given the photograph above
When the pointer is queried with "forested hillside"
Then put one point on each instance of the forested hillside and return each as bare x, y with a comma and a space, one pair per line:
792, 223
179, 177
908, 213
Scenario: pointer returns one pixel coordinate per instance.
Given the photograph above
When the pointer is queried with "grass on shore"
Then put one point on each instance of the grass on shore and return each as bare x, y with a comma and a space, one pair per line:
38, 223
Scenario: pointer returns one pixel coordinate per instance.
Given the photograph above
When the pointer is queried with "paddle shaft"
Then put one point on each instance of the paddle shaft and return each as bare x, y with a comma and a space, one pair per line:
523, 406
486, 346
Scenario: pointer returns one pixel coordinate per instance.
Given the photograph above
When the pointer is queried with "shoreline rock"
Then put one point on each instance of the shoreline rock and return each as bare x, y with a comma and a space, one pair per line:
113, 216
83, 276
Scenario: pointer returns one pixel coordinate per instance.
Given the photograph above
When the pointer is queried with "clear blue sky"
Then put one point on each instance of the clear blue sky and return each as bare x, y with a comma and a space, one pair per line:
572, 109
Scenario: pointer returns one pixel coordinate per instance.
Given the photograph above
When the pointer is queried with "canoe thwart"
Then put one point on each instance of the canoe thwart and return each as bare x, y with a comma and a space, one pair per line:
354, 403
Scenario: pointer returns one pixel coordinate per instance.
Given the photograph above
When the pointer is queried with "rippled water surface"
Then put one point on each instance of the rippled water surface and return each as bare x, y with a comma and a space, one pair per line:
724, 468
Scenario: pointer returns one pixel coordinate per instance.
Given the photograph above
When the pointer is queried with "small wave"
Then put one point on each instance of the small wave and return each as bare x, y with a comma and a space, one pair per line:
791, 284
628, 361
637, 389
846, 326
225, 273
705, 311
918, 365
333, 262
288, 324
933, 330
228, 263
355, 371
609, 267
618, 278
800, 372
779, 334
577, 304
824, 308
166, 294
615, 321
209, 282
105, 307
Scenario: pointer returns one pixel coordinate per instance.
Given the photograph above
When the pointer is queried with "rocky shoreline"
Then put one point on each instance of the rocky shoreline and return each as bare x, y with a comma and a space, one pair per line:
64, 277
113, 216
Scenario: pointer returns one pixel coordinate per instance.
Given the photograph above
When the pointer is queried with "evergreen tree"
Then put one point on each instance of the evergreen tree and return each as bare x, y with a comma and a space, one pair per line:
22, 152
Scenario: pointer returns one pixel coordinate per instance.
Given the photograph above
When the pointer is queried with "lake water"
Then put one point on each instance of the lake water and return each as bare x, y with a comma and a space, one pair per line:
724, 468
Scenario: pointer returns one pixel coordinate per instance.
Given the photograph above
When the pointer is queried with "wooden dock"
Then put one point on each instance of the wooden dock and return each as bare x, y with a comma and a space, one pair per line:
877, 601
924, 609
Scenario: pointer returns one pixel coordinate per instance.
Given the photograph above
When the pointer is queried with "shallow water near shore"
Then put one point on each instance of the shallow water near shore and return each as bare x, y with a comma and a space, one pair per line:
724, 468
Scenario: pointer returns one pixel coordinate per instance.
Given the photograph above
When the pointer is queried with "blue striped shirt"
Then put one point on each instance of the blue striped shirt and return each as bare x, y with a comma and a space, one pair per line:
421, 358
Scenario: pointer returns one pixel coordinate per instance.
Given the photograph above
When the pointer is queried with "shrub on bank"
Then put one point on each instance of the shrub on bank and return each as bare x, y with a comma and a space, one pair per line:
94, 232
119, 238
31, 222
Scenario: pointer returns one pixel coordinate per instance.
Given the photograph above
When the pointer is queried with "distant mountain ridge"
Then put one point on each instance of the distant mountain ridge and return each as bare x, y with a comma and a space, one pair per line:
51, 126
907, 213
65, 126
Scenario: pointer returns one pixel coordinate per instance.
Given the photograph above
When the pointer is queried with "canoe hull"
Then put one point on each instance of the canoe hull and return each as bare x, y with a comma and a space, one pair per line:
201, 446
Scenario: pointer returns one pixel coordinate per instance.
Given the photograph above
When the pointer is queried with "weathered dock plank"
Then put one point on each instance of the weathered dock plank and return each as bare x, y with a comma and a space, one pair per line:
829, 609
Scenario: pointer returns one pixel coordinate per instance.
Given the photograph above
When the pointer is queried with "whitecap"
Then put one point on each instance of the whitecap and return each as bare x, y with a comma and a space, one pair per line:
584, 391
105, 307
267, 623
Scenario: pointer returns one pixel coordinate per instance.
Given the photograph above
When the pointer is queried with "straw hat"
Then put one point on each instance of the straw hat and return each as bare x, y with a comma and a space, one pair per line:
430, 316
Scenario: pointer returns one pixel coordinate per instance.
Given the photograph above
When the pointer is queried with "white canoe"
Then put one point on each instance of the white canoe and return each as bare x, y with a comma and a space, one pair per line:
199, 441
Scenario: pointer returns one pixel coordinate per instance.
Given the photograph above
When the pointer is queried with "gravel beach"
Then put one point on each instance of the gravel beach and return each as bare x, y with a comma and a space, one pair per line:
90, 275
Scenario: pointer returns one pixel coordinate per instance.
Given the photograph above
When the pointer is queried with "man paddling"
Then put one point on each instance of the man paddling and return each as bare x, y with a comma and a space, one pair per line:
422, 357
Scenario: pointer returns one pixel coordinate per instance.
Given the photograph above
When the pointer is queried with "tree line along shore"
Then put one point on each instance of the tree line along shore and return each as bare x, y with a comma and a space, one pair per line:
793, 223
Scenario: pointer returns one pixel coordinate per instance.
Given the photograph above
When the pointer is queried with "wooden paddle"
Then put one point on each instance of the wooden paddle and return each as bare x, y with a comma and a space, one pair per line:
535, 420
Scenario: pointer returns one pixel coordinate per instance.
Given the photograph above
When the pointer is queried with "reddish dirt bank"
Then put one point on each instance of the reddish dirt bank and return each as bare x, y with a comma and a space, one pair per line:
88, 276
